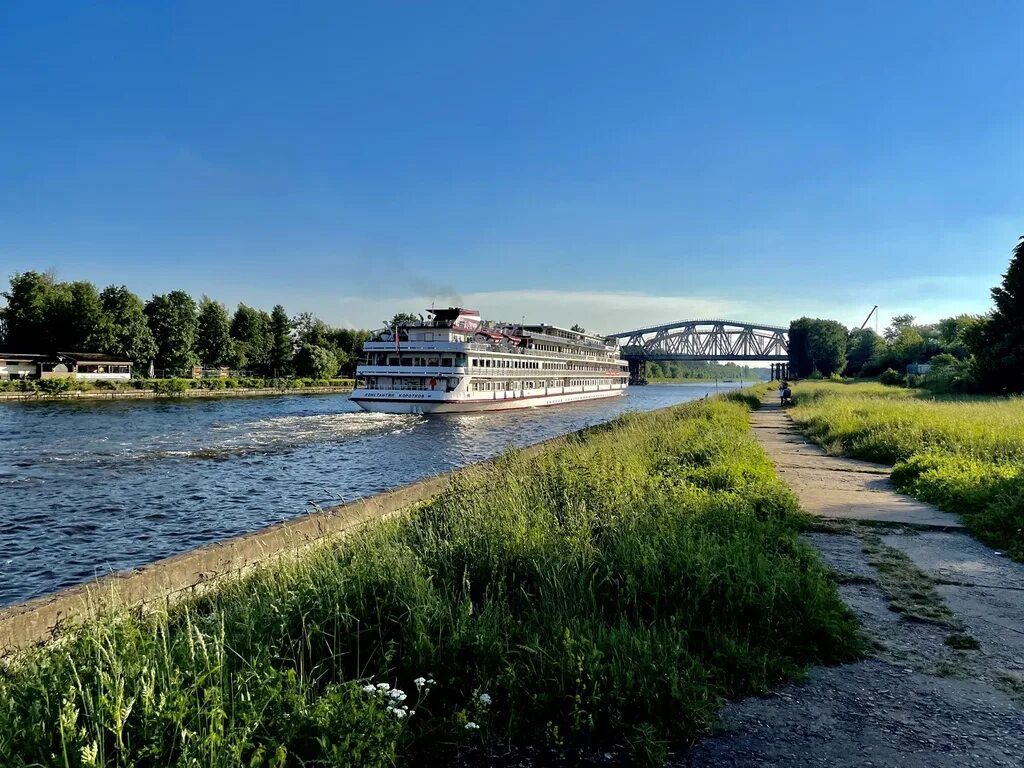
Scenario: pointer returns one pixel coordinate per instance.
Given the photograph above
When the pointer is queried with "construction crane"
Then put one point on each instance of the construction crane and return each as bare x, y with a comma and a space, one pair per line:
873, 310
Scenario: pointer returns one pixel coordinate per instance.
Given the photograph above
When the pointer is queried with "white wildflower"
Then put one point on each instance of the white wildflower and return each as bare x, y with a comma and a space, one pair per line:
398, 695
399, 713
383, 686
485, 699
369, 688
471, 726
412, 712
420, 681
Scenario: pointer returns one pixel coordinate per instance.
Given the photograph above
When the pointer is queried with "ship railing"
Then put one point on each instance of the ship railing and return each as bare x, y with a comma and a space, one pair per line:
480, 347
408, 387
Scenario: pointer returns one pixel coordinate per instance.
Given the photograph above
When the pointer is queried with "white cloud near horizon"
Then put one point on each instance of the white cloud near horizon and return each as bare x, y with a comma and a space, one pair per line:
603, 312
928, 298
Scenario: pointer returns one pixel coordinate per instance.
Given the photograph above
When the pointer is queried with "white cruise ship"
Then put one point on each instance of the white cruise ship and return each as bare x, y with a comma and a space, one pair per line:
454, 363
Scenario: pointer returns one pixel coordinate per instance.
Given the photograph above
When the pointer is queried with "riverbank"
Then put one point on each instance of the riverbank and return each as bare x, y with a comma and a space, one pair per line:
149, 394
964, 454
609, 590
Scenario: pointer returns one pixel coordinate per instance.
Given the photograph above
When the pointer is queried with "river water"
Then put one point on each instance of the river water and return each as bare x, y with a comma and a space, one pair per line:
91, 487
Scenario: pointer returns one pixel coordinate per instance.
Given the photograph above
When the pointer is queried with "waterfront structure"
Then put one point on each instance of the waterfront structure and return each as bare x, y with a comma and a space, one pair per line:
453, 362
91, 366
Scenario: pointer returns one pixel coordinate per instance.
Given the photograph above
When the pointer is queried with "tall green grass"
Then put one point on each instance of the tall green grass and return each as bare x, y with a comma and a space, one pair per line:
965, 454
609, 592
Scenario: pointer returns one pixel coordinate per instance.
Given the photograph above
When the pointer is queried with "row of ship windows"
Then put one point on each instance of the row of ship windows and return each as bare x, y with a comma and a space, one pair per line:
478, 362
415, 362
505, 386
530, 364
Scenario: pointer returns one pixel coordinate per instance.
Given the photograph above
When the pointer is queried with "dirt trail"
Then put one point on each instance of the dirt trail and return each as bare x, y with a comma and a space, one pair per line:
944, 684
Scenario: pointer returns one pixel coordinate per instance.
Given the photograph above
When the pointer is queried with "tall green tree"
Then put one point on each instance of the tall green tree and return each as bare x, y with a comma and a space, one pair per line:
906, 347
174, 321
282, 347
897, 325
954, 333
213, 334
77, 318
403, 318
826, 345
817, 345
999, 342
26, 316
864, 347
250, 328
127, 329
315, 361
800, 364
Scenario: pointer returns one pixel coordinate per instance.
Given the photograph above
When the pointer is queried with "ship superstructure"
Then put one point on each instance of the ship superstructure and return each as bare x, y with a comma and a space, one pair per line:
453, 362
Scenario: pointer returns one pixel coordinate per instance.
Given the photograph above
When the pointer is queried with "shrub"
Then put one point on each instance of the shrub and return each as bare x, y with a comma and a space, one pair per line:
55, 386
171, 387
948, 374
892, 378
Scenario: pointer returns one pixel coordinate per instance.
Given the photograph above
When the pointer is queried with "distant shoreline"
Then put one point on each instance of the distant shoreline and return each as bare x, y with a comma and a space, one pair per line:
705, 381
148, 394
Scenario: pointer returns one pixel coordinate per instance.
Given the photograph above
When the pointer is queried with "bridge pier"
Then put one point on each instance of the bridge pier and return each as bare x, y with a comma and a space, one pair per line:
637, 371
779, 371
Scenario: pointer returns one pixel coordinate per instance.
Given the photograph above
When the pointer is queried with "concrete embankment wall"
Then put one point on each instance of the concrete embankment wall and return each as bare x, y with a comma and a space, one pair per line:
147, 394
164, 580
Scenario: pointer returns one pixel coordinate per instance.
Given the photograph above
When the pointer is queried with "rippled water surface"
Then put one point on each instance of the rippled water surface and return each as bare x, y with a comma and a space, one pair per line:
91, 487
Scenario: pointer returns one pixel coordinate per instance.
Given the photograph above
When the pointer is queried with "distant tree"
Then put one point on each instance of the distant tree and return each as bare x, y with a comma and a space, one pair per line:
310, 329
865, 346
26, 319
906, 347
250, 328
348, 346
316, 362
282, 347
954, 333
128, 333
800, 364
998, 344
213, 334
826, 344
174, 322
77, 318
899, 322
816, 345
403, 318
578, 328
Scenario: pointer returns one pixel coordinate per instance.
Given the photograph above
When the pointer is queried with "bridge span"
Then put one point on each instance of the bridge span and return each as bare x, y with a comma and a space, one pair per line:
703, 341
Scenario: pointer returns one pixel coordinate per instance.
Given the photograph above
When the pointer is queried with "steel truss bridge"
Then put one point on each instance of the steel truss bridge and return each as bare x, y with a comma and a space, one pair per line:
703, 341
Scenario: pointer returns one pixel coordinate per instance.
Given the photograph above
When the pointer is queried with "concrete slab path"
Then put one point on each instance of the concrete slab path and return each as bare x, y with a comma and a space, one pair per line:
837, 487
944, 682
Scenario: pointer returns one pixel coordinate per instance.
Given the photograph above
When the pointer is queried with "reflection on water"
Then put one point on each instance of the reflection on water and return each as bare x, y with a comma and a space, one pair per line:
90, 487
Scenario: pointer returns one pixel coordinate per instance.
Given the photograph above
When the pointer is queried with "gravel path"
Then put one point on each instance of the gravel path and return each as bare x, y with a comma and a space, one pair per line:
944, 685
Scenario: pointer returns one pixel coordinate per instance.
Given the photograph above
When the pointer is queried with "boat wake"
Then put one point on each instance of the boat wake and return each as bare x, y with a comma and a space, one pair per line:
273, 435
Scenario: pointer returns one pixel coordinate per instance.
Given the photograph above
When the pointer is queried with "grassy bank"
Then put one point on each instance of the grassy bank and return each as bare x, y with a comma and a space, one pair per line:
609, 593
964, 454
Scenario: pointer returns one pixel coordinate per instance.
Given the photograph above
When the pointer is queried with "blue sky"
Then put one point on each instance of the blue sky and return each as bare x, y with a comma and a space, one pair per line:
615, 164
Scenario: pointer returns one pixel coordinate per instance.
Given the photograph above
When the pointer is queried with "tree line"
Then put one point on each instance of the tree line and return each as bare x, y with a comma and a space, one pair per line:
701, 370
968, 353
171, 330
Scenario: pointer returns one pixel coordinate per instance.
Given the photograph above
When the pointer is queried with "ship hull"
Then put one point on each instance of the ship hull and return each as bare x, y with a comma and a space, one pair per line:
476, 405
